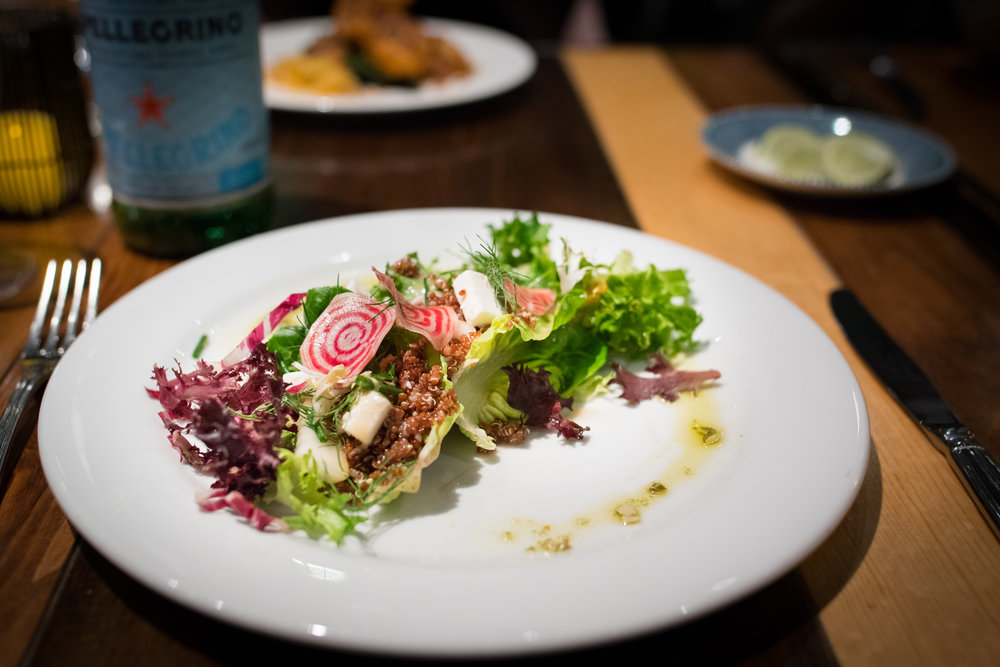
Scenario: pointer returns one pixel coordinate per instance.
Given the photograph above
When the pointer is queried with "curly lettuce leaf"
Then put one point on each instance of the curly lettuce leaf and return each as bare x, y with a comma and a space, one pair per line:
316, 507
235, 413
640, 312
522, 245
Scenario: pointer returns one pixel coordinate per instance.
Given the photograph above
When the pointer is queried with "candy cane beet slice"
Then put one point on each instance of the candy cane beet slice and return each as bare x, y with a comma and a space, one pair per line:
535, 300
264, 329
435, 323
348, 332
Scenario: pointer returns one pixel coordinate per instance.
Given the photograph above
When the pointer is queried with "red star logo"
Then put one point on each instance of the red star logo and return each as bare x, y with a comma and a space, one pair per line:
150, 106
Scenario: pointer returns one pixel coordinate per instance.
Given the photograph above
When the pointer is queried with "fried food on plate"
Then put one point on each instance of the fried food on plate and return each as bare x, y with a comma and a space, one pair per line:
374, 42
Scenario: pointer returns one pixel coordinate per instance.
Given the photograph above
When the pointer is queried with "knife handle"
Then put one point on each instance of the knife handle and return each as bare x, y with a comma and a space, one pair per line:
978, 469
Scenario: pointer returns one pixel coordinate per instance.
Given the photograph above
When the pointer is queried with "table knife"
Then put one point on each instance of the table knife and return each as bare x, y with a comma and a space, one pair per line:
977, 469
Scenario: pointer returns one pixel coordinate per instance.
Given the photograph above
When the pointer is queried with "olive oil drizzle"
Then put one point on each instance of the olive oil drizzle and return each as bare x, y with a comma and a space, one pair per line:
700, 436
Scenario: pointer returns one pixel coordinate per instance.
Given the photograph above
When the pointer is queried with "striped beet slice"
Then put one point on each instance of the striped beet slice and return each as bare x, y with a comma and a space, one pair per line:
535, 300
435, 323
264, 329
348, 332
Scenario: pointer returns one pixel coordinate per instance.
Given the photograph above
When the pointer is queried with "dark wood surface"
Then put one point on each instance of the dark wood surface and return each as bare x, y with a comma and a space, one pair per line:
932, 280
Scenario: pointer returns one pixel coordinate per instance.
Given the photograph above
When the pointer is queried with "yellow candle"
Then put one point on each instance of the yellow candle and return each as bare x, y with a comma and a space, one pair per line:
31, 170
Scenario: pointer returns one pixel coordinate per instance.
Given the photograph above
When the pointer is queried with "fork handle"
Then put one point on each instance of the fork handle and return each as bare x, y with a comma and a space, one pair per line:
23, 392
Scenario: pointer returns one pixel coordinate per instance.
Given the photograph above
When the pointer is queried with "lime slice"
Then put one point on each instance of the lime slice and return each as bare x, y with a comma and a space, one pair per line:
794, 150
857, 159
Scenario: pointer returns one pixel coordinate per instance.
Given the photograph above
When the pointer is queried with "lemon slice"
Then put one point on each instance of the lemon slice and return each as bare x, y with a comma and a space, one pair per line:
793, 150
856, 159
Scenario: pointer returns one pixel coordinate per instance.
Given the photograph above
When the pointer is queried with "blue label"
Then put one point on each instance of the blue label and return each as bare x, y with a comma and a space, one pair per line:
178, 86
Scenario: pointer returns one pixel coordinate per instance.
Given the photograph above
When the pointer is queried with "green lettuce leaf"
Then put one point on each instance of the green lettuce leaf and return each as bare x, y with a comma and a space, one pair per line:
316, 507
601, 311
480, 392
574, 357
572, 354
522, 245
640, 312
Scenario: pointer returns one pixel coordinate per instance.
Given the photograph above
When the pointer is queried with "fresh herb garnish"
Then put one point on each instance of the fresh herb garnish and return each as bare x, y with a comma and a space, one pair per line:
200, 346
487, 262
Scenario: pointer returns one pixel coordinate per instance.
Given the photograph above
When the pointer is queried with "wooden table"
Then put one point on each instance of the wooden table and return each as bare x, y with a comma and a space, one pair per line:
910, 576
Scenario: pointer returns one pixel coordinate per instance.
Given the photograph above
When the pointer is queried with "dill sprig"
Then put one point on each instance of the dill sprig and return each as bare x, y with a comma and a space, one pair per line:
327, 425
487, 262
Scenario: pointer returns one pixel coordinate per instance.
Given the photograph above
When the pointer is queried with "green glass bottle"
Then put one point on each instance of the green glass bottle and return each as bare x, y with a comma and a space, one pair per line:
188, 231
185, 135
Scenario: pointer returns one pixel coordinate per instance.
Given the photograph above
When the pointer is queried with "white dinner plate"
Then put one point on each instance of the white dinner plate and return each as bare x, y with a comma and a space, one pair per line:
500, 62
456, 569
922, 159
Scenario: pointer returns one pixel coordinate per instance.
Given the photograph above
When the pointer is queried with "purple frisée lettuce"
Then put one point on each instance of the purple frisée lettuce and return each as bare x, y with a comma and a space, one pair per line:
227, 422
532, 393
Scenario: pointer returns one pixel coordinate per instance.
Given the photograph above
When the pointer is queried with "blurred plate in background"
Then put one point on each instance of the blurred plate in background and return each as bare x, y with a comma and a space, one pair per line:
500, 62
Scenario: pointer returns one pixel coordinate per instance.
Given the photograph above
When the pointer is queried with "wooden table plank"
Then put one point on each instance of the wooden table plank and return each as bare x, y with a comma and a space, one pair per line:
530, 150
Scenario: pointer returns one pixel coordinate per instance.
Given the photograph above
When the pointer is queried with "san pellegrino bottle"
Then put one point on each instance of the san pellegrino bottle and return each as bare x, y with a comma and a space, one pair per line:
184, 131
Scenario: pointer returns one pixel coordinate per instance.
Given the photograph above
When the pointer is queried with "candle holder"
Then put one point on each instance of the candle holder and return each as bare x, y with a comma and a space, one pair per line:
46, 148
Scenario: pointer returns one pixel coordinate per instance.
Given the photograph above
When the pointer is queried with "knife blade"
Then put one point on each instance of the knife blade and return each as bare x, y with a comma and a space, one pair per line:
978, 470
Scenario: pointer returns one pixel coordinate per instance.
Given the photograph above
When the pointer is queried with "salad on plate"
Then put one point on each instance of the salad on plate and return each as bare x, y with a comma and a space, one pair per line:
338, 399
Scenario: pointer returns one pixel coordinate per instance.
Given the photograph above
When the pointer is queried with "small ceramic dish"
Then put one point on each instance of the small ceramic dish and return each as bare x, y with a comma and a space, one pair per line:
922, 159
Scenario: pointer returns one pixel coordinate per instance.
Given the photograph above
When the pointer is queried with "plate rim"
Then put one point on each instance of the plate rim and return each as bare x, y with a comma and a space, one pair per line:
312, 104
738, 591
732, 162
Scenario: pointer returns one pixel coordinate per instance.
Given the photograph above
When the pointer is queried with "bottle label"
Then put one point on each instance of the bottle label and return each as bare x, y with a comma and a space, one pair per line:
178, 86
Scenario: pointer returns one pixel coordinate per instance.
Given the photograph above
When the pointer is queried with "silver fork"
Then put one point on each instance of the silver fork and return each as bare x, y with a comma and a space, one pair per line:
39, 357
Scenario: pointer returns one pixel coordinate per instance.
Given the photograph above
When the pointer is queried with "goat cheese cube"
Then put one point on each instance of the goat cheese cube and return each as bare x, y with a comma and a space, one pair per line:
365, 417
476, 298
331, 462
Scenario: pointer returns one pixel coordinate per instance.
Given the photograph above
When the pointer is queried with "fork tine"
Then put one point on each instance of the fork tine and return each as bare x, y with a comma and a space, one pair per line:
74, 307
52, 340
95, 288
35, 330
